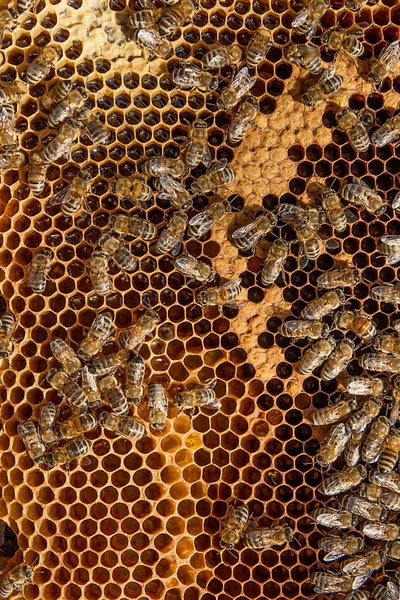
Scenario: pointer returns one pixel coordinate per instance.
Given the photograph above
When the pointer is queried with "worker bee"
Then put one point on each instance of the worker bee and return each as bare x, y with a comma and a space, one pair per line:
174, 192
387, 480
247, 237
342, 481
100, 331
394, 405
132, 225
390, 591
42, 65
375, 361
315, 355
387, 133
104, 365
39, 270
60, 145
199, 396
76, 425
310, 242
56, 94
134, 188
201, 223
258, 47
389, 532
389, 245
357, 5
74, 101
381, 67
329, 83
393, 551
145, 18
219, 56
113, 393
344, 41
274, 262
390, 453
127, 427
371, 491
360, 420
329, 582
174, 17
387, 343
320, 307
89, 386
235, 526
37, 173
360, 325
12, 160
242, 120
47, 420
196, 270
333, 445
15, 579
338, 547
153, 42
8, 541
122, 257
348, 276
366, 386
158, 166
95, 129
66, 356
301, 329
7, 123
189, 76
170, 240
11, 92
304, 56
7, 326
68, 388
98, 272
363, 563
134, 379
218, 175
157, 401
334, 412
292, 213
339, 360
73, 195
360, 194
224, 294
32, 442
63, 455
355, 129
134, 337
352, 452
386, 293
8, 21
259, 539
239, 87
198, 150
333, 517
362, 507
307, 20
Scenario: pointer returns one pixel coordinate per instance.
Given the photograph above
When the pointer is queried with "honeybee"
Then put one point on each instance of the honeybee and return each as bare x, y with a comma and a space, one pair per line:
258, 47
352, 453
389, 592
200, 396
362, 418
144, 18
196, 270
76, 425
381, 67
156, 167
363, 563
174, 17
389, 245
134, 379
7, 120
134, 188
387, 480
127, 427
15, 579
342, 481
100, 331
362, 507
360, 194
39, 270
8, 21
320, 307
339, 278
292, 213
365, 386
329, 582
310, 242
333, 445
224, 294
198, 150
238, 88
189, 76
66, 356
315, 355
274, 262
386, 293
104, 365
12, 160
201, 223
157, 401
95, 129
74, 101
174, 192
390, 453
73, 195
388, 532
37, 173
307, 20
47, 420
387, 343
134, 337
339, 360
60, 145
153, 42
387, 133
68, 388
123, 258
111, 389
89, 386
98, 272
219, 56
334, 412
235, 525
338, 547
333, 517
63, 455
56, 94
170, 240
247, 237
132, 225
32, 442
356, 5
360, 325
301, 329
393, 551
242, 120
329, 83
267, 537
375, 361
352, 124
304, 56
218, 175
13, 91
7, 326
42, 65
344, 41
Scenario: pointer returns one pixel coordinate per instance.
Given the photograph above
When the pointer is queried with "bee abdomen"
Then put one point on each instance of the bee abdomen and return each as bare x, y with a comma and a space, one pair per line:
387, 460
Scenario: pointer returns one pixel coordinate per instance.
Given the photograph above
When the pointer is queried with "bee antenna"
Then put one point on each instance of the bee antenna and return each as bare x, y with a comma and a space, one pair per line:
297, 541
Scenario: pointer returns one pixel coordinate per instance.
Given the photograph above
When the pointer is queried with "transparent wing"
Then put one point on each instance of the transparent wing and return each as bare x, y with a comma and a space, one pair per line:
355, 566
396, 201
391, 240
88, 379
171, 185
241, 80
350, 216
242, 230
207, 157
228, 284
59, 196
334, 555
301, 17
327, 74
229, 515
393, 259
312, 31
391, 54
392, 591
218, 166
202, 221
186, 263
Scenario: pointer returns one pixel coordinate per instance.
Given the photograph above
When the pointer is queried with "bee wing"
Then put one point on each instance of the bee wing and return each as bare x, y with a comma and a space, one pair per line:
396, 201
391, 240
303, 257
393, 259
176, 248
59, 196
186, 263
149, 37
354, 566
89, 379
229, 514
202, 221
218, 166
350, 216
327, 74
171, 185
332, 244
391, 54
334, 555
313, 30
392, 591
228, 284
242, 79
242, 230
360, 580
301, 17
207, 157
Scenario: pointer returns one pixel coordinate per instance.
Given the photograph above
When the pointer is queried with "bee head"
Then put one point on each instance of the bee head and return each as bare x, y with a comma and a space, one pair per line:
201, 297
307, 100
325, 37
377, 81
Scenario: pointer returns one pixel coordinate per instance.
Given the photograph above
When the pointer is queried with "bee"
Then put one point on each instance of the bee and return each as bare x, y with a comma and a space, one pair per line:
389, 245
393, 551
158, 403
95, 129
238, 88
360, 325
363, 563
334, 446
342, 481
156, 167
174, 17
333, 517
200, 396
134, 337
198, 150
348, 276
360, 420
89, 386
37, 173
8, 541
381, 67
76, 425
258, 47
366, 386
274, 262
153, 42
352, 453
7, 120
305, 329
344, 41
60, 145
219, 56
63, 455
73, 195
98, 272
360, 194
235, 525
56, 94
387, 343
12, 160
7, 327
389, 592
247, 237
134, 379
362, 507
320, 307
196, 270
66, 356
307, 20
338, 547
122, 257
111, 389
32, 442
11, 92
132, 225
339, 360
134, 188
202, 223
371, 491
329, 83
8, 21
315, 355
355, 129
127, 427
47, 420
388, 532
15, 579
387, 133
100, 331
104, 365
170, 240
305, 56
39, 270
74, 101
189, 76
390, 453
69, 389
42, 65
242, 120
174, 192
329, 582
224, 294
292, 213
395, 404
267, 537
218, 175
356, 5
144, 18
310, 242
386, 363
334, 412
386, 293
387, 480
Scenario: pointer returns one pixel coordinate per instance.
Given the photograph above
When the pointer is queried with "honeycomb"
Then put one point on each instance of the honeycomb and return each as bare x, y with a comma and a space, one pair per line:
142, 520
